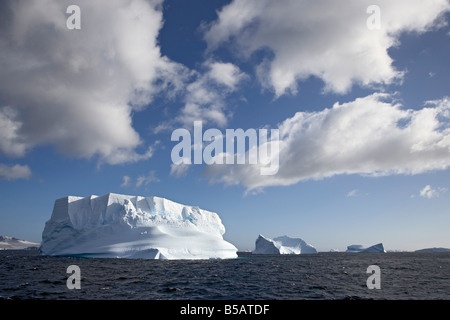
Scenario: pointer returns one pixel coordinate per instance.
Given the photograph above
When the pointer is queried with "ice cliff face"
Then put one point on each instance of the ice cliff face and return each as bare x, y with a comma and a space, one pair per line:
282, 245
117, 225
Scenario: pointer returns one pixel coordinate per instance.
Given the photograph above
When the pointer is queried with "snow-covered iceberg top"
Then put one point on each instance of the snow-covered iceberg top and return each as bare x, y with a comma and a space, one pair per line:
282, 245
359, 248
124, 226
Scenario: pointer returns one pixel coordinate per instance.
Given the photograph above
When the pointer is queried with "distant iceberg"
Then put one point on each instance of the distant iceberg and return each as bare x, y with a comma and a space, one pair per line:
359, 248
433, 250
282, 245
12, 243
123, 226
355, 248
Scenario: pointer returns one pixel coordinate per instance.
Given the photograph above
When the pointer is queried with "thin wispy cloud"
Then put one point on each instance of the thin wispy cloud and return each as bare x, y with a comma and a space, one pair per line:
147, 179
179, 170
126, 182
353, 193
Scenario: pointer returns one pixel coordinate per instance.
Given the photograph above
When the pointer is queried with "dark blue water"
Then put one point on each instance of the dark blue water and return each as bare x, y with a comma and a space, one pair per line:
27, 275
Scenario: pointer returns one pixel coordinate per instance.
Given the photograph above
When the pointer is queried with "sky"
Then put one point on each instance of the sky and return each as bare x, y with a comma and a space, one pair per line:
358, 91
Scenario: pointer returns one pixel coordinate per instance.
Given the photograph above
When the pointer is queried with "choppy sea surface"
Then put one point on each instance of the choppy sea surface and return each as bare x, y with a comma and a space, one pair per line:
324, 276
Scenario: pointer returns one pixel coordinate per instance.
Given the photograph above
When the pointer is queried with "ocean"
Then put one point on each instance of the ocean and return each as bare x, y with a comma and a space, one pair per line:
324, 276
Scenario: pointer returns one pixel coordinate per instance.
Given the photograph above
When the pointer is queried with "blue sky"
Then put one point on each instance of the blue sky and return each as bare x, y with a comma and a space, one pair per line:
364, 160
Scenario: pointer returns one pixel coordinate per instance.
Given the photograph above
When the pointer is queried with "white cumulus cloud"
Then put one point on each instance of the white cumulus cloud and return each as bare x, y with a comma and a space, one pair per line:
205, 96
14, 172
429, 193
327, 39
371, 136
226, 73
77, 89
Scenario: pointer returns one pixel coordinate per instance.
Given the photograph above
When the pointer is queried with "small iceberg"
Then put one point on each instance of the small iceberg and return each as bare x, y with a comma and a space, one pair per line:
282, 245
359, 248
13, 243
433, 250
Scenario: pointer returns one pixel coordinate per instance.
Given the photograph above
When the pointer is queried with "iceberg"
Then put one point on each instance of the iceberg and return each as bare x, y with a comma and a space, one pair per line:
355, 248
282, 245
13, 243
433, 250
123, 226
359, 248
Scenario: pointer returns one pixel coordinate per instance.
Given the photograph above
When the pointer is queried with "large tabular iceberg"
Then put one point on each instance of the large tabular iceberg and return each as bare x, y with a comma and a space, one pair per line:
282, 245
123, 226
